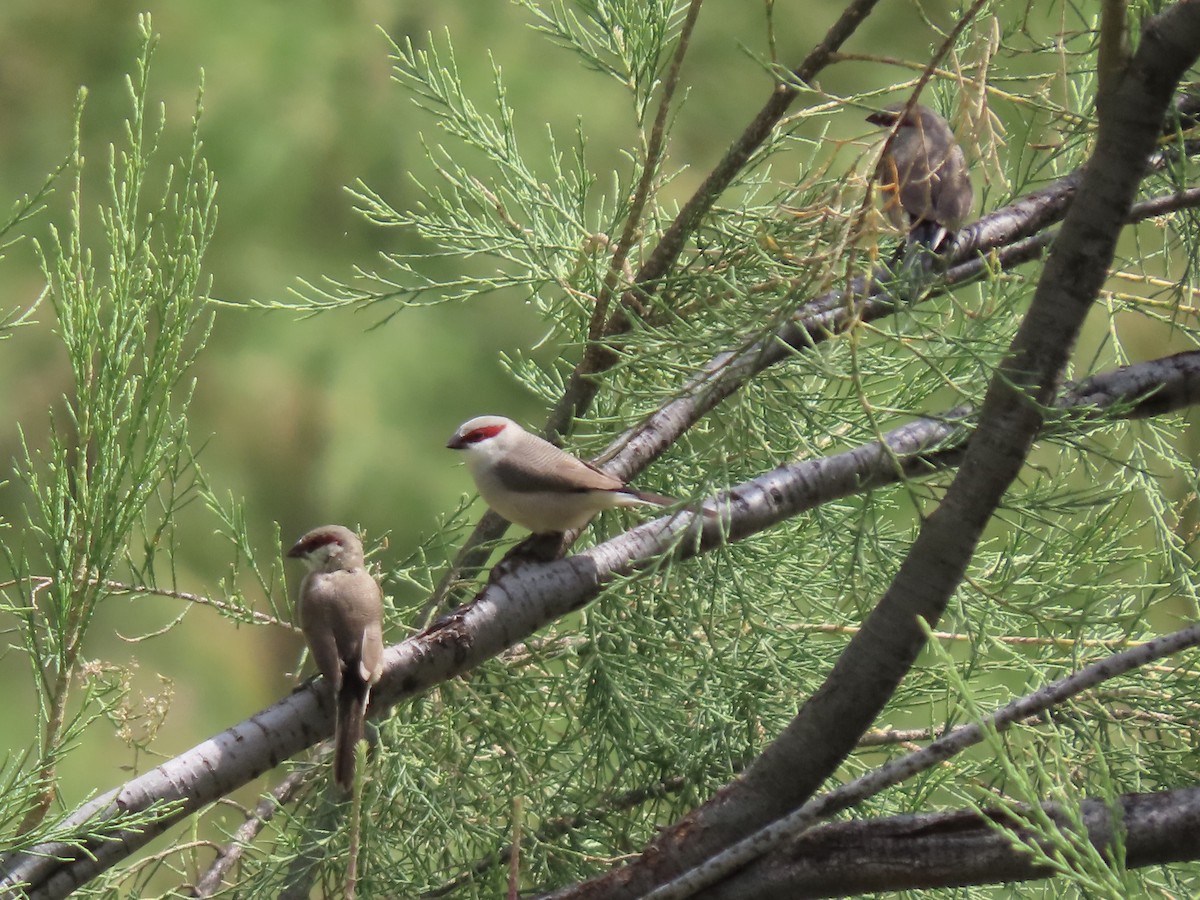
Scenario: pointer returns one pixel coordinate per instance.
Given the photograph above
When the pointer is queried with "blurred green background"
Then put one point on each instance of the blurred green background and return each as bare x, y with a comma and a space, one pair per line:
314, 420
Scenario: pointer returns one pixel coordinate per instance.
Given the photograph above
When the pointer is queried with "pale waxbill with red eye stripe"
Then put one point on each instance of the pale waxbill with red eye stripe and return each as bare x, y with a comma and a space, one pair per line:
534, 484
923, 175
341, 615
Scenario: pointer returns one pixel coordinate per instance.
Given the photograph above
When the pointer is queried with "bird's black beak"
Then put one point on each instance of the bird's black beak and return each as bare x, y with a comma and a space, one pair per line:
455, 442
883, 119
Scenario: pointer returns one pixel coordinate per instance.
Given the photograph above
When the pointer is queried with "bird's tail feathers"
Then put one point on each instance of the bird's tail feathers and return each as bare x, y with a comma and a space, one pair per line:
930, 234
648, 498
351, 715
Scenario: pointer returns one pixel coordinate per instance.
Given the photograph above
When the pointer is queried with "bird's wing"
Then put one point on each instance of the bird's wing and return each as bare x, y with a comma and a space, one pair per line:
354, 619
317, 599
915, 183
549, 469
370, 666
955, 195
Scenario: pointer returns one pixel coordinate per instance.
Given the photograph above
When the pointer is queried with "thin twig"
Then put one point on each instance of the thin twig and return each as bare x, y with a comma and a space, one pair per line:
600, 326
199, 599
282, 794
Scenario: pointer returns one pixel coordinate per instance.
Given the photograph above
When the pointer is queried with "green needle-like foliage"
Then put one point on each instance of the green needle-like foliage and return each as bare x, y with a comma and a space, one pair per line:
104, 491
565, 756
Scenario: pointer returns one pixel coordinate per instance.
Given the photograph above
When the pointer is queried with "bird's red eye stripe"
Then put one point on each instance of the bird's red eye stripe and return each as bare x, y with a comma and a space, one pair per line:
317, 540
482, 434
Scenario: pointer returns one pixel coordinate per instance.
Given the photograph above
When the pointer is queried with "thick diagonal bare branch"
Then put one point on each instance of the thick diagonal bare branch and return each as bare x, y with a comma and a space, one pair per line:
896, 771
872, 666
947, 849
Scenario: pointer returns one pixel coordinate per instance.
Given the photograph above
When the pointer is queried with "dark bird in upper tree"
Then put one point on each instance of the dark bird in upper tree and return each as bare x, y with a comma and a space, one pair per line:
923, 175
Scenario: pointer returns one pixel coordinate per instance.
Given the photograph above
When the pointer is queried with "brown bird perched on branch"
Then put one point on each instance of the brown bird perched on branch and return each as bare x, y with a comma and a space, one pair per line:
923, 175
341, 615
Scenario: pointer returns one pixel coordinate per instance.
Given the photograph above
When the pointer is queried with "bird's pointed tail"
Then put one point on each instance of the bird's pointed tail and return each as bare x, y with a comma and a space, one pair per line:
649, 498
351, 712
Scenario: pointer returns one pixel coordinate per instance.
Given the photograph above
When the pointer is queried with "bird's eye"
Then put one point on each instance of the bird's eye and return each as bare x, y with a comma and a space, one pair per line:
482, 434
325, 544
